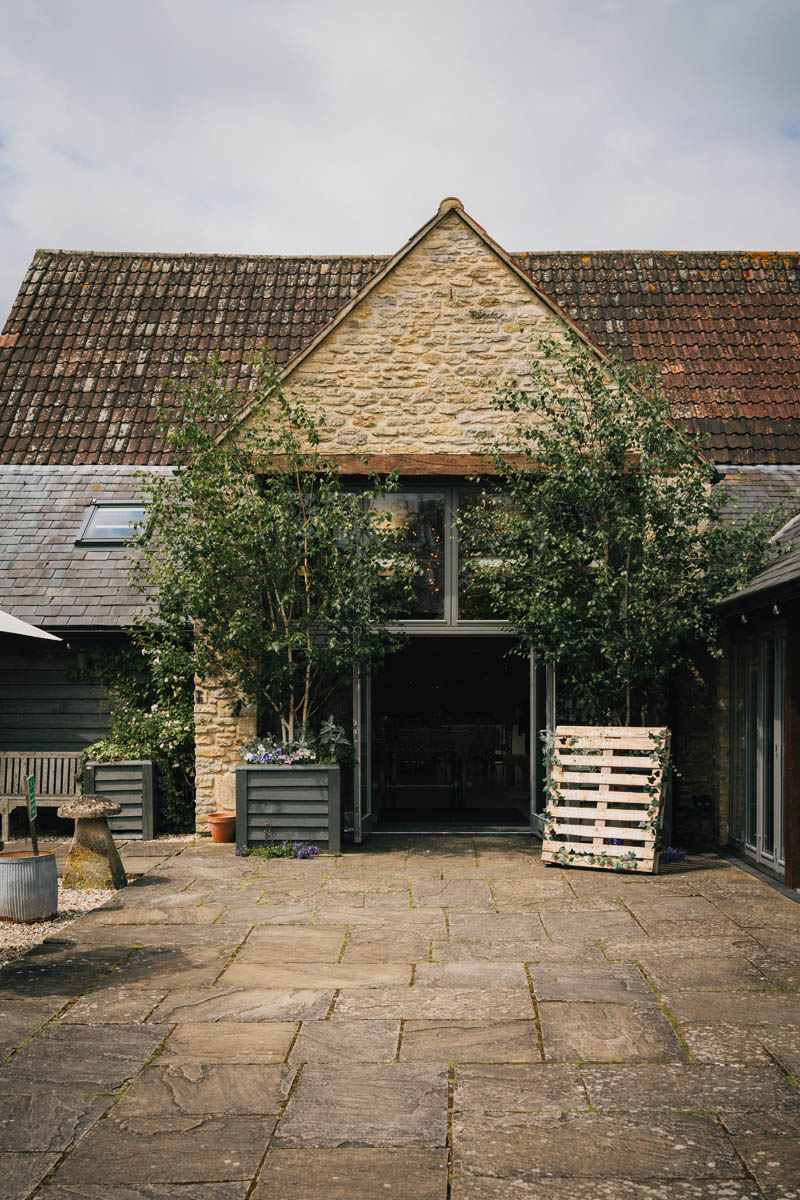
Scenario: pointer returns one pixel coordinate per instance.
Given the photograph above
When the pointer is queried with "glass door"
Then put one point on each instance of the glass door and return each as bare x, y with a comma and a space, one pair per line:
447, 733
537, 726
757, 747
362, 746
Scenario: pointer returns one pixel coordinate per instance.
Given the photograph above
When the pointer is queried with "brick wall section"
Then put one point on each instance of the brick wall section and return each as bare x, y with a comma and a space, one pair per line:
218, 734
407, 371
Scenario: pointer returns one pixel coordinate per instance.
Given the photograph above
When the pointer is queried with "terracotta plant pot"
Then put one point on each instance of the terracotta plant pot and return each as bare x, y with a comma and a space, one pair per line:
223, 826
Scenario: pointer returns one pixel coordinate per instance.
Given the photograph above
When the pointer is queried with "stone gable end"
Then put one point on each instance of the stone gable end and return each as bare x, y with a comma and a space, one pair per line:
407, 370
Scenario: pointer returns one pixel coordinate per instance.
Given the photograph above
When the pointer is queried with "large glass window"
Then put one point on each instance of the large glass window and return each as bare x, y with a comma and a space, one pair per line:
416, 523
475, 551
425, 524
451, 734
767, 665
751, 808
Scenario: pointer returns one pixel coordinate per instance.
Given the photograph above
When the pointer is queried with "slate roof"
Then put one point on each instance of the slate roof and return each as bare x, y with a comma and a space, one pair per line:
92, 337
750, 488
44, 577
753, 489
779, 581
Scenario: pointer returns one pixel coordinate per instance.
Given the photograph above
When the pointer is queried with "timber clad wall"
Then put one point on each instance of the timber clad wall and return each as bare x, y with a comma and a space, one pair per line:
407, 371
41, 706
696, 713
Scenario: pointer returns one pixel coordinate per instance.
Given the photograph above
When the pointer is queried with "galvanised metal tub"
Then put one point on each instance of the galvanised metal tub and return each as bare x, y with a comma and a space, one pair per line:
28, 886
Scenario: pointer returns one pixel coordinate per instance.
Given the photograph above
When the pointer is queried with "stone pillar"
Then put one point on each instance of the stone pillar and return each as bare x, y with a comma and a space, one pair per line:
218, 735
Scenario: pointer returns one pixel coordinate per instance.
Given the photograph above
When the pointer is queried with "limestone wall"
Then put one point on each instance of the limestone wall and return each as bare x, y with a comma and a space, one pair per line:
218, 734
407, 370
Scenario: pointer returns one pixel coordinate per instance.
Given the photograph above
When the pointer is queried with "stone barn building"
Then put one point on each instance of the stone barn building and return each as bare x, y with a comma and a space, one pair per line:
399, 350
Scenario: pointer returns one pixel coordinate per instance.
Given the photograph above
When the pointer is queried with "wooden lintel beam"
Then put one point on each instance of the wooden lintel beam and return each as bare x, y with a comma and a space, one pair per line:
411, 464
420, 465
415, 464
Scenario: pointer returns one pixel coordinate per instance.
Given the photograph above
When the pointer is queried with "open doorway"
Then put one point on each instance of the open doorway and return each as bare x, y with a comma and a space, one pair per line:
451, 736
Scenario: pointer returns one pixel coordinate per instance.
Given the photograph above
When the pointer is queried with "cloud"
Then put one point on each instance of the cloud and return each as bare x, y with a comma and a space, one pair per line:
322, 127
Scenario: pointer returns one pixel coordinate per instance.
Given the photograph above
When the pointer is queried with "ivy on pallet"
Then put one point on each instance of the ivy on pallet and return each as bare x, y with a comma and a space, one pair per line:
605, 796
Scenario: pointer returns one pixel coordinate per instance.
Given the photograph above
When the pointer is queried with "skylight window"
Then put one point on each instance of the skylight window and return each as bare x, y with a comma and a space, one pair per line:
110, 522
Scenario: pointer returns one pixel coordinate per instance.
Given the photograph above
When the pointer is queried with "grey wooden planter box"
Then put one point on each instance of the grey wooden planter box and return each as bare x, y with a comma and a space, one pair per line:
130, 784
299, 804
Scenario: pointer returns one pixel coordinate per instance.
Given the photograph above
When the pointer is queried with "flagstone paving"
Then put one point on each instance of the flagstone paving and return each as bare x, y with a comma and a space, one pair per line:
429, 1019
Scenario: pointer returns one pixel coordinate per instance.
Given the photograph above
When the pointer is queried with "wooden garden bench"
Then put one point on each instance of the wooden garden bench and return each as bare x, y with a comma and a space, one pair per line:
55, 773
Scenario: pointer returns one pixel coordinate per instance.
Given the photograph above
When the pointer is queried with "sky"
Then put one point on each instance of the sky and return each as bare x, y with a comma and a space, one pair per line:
317, 127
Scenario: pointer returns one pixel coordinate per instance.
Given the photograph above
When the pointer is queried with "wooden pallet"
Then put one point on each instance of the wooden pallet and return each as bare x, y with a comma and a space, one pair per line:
606, 789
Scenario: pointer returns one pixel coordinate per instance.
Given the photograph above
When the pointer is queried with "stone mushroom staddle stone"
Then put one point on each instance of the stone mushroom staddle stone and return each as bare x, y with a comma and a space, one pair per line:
93, 860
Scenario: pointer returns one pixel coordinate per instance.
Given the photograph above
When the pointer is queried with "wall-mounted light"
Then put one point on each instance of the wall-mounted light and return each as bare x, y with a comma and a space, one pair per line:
776, 609
743, 618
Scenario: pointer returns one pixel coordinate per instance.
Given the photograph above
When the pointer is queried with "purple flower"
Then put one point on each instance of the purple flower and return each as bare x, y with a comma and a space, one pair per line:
304, 851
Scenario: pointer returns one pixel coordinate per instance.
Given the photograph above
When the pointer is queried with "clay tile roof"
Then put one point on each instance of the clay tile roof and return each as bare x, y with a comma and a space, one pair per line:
724, 327
92, 338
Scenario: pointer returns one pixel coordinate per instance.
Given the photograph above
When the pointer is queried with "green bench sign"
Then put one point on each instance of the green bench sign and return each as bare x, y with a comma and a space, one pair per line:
32, 797
32, 812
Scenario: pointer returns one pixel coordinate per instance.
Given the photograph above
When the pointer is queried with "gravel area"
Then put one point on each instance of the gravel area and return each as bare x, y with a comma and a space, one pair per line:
17, 938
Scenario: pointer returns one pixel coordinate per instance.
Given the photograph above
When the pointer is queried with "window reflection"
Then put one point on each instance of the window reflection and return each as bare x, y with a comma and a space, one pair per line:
416, 528
475, 551
757, 739
768, 823
112, 522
